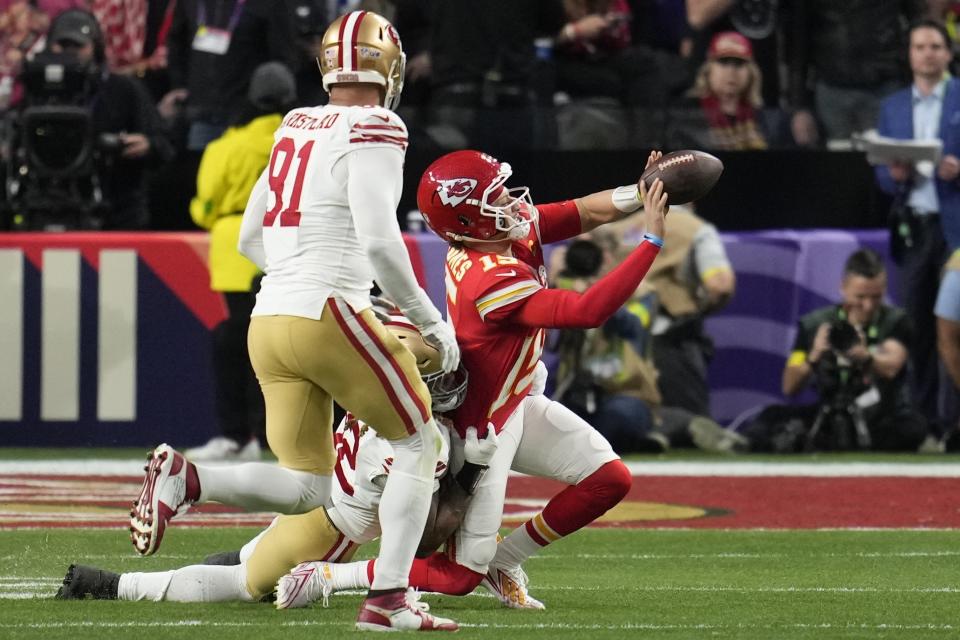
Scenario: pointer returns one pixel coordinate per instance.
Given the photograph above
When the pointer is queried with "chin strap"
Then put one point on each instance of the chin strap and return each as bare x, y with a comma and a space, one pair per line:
516, 233
456, 237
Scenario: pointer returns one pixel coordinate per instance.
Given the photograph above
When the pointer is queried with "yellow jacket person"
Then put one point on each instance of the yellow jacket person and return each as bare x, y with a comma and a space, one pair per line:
228, 171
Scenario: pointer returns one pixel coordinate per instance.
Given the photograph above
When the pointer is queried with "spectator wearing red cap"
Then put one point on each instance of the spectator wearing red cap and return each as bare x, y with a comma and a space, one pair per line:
758, 20
728, 87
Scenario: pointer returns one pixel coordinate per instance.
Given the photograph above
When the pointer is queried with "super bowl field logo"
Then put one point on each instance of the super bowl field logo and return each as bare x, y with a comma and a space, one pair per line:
98, 494
37, 501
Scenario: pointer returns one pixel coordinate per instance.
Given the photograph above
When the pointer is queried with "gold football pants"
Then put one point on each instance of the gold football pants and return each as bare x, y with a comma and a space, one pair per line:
290, 541
304, 364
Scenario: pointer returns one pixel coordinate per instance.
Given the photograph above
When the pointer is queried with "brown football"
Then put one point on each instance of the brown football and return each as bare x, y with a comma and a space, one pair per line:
687, 175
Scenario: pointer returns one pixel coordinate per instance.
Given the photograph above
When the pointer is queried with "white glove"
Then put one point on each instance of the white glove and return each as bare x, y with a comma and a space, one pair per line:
539, 379
440, 336
477, 451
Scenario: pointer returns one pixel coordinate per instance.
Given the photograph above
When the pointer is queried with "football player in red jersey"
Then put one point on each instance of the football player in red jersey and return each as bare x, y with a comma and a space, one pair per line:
500, 307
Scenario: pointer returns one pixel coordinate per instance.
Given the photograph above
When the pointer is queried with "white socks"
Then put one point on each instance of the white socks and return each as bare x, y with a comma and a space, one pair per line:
404, 505
514, 550
351, 575
196, 583
260, 486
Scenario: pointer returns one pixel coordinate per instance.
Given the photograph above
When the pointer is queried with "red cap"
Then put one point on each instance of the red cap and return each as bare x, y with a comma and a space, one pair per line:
730, 44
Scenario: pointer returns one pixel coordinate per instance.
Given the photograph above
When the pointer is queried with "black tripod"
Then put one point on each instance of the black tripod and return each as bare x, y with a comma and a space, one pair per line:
838, 415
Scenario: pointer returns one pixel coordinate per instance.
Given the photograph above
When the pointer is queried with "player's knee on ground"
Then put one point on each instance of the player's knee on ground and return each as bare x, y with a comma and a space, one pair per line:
287, 543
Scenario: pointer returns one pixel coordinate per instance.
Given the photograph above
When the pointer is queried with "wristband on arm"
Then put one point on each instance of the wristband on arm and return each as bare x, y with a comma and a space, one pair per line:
655, 239
627, 199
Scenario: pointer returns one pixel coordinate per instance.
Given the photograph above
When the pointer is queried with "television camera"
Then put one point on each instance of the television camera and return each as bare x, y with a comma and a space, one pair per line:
53, 159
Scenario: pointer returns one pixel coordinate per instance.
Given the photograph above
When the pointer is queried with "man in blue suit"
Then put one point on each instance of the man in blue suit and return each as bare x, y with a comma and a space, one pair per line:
927, 202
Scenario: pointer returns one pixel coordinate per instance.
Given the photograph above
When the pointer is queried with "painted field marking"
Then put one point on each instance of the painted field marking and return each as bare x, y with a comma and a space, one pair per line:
739, 556
839, 502
920, 469
22, 587
80, 624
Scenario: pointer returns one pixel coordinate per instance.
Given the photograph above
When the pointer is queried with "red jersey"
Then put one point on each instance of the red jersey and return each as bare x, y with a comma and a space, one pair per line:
483, 291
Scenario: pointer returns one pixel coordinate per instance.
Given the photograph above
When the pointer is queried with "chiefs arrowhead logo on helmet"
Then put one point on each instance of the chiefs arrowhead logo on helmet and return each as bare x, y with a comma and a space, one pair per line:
454, 191
462, 195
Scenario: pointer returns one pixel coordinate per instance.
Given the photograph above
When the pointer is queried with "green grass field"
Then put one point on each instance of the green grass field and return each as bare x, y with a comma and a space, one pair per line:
600, 583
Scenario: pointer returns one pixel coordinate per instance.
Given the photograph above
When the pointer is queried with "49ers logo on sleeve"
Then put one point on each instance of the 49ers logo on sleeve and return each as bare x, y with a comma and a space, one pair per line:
454, 191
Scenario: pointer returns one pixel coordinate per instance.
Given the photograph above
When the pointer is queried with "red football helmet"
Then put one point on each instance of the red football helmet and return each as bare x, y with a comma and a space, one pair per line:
461, 195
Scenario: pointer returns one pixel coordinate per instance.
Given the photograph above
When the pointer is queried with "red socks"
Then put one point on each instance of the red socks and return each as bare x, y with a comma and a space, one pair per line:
577, 506
440, 574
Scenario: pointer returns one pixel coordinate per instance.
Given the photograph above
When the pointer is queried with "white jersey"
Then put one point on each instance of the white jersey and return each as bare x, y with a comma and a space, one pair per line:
309, 236
363, 463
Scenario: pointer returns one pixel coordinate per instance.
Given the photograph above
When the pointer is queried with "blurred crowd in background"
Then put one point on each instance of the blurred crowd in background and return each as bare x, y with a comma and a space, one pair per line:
549, 74
107, 103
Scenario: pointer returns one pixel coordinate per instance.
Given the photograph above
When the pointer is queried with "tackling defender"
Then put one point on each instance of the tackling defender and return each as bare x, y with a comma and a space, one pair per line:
364, 461
321, 223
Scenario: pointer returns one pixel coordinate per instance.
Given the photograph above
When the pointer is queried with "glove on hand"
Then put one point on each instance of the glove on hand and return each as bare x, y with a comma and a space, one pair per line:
480, 451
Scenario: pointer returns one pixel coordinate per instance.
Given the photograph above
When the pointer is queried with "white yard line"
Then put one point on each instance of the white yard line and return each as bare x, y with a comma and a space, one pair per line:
46, 587
738, 556
920, 469
639, 626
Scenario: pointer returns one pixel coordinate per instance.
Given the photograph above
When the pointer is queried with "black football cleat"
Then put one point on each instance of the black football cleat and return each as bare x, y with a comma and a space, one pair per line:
82, 581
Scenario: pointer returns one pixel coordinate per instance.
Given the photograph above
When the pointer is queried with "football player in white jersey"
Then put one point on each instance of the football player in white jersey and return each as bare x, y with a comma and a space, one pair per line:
321, 223
364, 463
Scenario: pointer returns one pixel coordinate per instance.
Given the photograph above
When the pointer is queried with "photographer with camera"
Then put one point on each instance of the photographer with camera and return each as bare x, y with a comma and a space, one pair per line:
607, 375
855, 354
603, 376
125, 131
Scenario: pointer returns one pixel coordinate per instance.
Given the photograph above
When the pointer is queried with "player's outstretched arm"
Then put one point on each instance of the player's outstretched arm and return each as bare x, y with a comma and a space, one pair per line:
612, 204
554, 308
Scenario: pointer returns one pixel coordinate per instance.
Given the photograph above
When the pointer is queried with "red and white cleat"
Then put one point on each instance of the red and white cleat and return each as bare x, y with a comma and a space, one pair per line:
509, 585
162, 496
305, 584
400, 611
